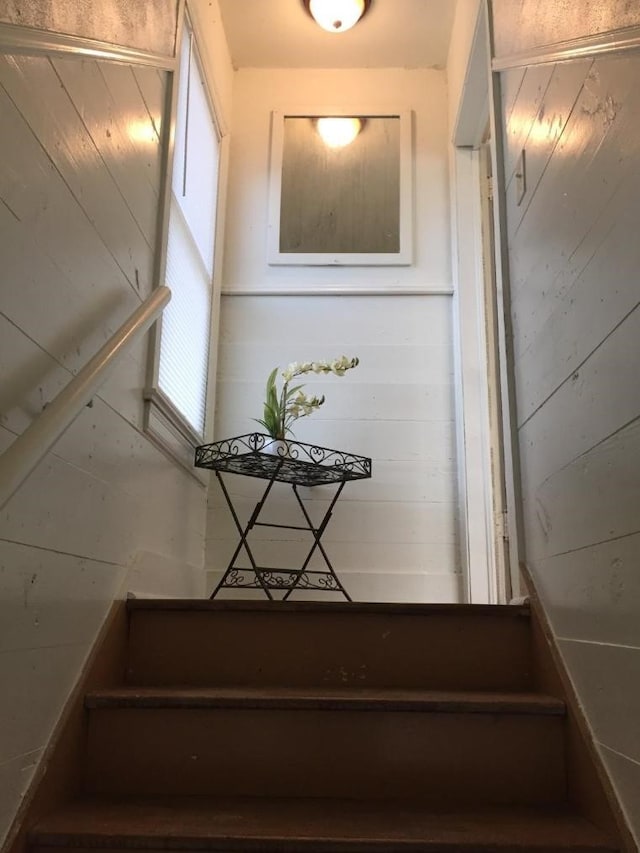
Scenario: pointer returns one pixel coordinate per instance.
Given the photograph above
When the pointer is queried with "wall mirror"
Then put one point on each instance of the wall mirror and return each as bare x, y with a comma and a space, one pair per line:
340, 189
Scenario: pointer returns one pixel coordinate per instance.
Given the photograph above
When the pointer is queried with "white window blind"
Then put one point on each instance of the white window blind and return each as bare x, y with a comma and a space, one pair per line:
184, 345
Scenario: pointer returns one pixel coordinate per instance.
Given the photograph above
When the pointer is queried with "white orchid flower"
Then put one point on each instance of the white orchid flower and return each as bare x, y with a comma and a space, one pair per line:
282, 408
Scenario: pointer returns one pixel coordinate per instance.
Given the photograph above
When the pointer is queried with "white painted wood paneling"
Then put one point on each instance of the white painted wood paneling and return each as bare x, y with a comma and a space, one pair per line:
325, 323
543, 132
383, 440
28, 715
425, 559
33, 614
413, 364
152, 84
626, 775
113, 128
530, 96
599, 669
376, 521
79, 189
15, 776
591, 182
510, 87
376, 401
595, 591
592, 403
58, 492
395, 480
396, 407
574, 256
52, 117
41, 219
607, 479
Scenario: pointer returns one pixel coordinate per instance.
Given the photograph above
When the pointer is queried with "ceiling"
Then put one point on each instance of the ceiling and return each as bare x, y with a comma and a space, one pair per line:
393, 34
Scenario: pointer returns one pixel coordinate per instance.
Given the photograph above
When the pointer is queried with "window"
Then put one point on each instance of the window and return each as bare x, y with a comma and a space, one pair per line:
180, 394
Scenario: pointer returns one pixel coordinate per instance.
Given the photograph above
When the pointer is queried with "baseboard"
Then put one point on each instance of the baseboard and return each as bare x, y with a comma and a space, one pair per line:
59, 775
588, 784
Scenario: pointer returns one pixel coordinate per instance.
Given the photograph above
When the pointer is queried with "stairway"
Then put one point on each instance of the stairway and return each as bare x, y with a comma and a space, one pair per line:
250, 726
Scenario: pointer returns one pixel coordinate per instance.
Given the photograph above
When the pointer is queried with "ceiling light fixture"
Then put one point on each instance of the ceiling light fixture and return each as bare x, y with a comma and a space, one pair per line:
339, 131
336, 16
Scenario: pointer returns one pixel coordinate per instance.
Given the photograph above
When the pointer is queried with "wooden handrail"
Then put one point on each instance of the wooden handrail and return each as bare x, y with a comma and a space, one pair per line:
19, 460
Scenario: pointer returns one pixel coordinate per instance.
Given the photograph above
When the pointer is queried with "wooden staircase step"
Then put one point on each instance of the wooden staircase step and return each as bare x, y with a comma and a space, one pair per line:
452, 757
311, 826
443, 647
330, 699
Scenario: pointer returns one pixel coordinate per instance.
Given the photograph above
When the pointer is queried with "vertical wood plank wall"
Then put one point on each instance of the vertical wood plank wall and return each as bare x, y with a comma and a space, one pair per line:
574, 261
79, 189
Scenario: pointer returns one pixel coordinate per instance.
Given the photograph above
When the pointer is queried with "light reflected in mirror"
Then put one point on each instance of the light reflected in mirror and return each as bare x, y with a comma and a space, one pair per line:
338, 131
342, 199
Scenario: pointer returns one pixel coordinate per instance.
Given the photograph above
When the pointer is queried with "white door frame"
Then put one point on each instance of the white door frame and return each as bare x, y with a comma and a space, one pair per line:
478, 525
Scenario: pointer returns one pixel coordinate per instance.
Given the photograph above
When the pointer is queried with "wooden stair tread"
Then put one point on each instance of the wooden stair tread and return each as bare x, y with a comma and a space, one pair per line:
328, 698
323, 825
352, 607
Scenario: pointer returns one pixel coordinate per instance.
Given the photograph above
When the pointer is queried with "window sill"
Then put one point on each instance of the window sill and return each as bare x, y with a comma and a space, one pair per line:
168, 429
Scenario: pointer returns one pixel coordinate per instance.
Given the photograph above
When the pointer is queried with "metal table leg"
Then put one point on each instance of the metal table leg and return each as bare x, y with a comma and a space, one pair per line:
317, 535
244, 532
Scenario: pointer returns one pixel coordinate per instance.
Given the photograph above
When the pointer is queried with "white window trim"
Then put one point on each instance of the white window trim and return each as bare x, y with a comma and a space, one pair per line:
163, 423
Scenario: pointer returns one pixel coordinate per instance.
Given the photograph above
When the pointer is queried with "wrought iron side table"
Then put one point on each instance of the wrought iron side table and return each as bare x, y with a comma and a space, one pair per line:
295, 463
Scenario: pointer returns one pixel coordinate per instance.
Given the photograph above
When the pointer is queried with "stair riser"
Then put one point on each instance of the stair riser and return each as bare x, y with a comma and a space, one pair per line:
444, 758
435, 651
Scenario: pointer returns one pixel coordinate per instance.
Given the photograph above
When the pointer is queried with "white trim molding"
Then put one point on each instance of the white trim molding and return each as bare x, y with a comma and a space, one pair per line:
17, 39
338, 289
615, 42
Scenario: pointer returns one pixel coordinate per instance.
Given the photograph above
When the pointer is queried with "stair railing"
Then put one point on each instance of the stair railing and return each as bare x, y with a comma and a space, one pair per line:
19, 460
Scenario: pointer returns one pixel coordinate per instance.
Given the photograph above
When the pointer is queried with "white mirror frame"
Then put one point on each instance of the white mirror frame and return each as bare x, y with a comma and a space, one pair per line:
402, 258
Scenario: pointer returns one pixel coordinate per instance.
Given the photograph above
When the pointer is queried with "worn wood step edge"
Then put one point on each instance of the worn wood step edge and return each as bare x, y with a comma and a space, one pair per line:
328, 607
438, 844
326, 826
273, 698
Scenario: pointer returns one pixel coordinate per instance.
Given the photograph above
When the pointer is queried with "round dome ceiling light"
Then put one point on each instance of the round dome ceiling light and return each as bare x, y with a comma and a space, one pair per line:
336, 16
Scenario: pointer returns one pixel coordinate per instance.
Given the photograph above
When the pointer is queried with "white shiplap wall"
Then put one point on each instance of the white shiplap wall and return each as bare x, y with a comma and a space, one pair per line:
575, 257
79, 190
392, 538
